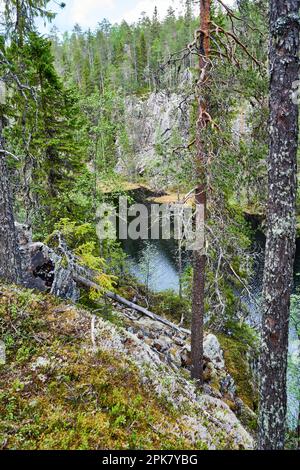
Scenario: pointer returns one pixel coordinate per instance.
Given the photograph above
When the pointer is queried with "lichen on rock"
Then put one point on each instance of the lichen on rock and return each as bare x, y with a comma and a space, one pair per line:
76, 381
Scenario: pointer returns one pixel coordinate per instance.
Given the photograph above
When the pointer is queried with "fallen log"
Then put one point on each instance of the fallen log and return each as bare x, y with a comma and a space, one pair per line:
121, 300
45, 271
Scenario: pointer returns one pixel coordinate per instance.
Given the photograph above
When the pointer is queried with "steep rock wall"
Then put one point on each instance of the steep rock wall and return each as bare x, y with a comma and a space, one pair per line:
153, 127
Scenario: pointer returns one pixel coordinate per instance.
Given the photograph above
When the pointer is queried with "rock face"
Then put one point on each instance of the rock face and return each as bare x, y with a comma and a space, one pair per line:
204, 419
213, 351
2, 353
151, 124
173, 348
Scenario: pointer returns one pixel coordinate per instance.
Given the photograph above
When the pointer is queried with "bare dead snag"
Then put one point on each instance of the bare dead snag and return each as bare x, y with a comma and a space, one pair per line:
59, 272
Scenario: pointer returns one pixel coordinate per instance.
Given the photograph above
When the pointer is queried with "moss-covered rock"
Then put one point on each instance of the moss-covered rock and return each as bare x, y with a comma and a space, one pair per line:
236, 355
74, 381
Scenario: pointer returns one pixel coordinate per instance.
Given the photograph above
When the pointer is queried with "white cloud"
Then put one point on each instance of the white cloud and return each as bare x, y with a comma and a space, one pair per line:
148, 6
84, 12
87, 13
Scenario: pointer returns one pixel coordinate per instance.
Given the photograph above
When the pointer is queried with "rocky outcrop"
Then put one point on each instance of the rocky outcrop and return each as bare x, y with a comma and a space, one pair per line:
213, 351
174, 349
87, 383
2, 353
204, 418
169, 344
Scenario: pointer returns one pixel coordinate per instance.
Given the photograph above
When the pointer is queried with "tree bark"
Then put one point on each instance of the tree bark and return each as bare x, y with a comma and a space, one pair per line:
281, 220
298, 430
199, 262
10, 263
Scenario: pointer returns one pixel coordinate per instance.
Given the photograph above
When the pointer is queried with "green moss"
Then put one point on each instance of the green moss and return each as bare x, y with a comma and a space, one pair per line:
235, 352
170, 305
57, 393
167, 303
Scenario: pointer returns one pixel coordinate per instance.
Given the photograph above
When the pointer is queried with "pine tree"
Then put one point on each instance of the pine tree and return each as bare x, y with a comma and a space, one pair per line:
20, 16
155, 27
141, 59
10, 263
199, 263
281, 220
59, 124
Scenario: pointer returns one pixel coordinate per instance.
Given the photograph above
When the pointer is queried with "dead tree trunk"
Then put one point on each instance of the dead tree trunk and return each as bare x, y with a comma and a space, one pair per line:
280, 248
10, 264
199, 255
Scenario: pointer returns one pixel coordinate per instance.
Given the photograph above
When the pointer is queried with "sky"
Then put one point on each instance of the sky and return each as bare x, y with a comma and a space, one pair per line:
88, 13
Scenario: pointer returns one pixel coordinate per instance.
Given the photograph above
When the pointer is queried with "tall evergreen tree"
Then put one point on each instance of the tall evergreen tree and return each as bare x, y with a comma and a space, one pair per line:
141, 58
10, 263
56, 143
280, 248
19, 21
199, 263
155, 23
20, 15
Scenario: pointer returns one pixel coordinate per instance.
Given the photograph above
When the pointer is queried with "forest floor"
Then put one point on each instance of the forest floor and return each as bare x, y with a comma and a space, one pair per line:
72, 380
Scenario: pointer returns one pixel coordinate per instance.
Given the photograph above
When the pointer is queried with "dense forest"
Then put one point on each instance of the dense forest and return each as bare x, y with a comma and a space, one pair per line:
129, 340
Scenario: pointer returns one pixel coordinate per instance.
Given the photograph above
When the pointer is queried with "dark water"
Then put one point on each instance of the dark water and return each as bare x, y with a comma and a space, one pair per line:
161, 258
157, 257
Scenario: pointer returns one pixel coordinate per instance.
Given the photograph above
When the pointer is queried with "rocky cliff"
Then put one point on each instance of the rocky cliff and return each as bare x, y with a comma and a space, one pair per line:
154, 125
